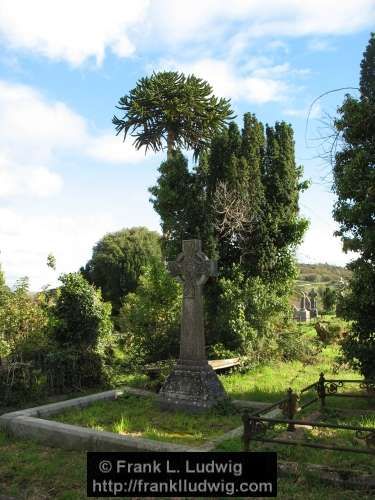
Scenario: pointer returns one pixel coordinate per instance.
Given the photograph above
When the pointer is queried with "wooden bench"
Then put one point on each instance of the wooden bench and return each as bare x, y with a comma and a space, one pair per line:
223, 364
218, 365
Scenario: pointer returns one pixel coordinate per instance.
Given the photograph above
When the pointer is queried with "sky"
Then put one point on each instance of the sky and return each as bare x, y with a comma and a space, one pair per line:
66, 179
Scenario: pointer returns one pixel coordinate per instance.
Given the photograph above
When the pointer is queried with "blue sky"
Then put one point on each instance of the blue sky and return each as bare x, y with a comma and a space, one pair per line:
66, 179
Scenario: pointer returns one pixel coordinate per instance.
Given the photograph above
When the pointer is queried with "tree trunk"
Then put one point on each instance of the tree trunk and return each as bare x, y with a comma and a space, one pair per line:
170, 143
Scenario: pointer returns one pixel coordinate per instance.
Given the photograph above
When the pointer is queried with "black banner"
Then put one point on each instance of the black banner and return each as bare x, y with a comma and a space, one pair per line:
212, 474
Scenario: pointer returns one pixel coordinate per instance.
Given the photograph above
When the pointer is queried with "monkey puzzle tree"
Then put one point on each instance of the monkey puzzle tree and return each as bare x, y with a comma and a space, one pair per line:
173, 108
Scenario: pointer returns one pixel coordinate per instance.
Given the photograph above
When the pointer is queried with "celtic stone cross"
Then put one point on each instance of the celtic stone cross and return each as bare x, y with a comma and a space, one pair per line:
313, 295
193, 268
192, 385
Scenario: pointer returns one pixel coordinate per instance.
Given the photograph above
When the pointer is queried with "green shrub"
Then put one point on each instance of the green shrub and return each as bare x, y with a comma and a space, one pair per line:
295, 345
83, 319
250, 311
24, 323
149, 319
329, 298
219, 351
329, 332
311, 277
358, 305
117, 261
68, 369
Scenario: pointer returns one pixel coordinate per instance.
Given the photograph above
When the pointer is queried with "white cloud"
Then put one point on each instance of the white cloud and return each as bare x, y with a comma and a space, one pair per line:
76, 31
307, 112
180, 22
27, 181
320, 45
33, 129
35, 132
110, 148
249, 83
320, 245
71, 30
26, 240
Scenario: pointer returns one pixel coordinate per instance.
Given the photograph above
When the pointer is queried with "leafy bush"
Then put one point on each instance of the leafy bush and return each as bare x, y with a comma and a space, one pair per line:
84, 336
149, 319
311, 277
53, 343
249, 312
68, 369
83, 319
24, 323
24, 338
329, 332
117, 261
293, 344
329, 297
219, 351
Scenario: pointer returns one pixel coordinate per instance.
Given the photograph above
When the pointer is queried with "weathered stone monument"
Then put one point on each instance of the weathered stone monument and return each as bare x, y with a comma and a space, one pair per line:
193, 384
314, 307
307, 302
303, 313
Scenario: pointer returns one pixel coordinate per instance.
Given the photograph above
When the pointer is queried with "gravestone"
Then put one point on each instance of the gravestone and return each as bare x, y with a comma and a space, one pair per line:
308, 303
314, 307
303, 313
193, 384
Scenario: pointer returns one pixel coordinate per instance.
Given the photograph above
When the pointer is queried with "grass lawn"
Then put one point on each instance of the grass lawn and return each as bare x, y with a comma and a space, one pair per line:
345, 460
31, 471
270, 382
141, 416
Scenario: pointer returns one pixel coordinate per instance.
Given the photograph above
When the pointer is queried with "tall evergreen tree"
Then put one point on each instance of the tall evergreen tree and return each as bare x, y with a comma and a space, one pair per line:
250, 174
354, 185
242, 201
283, 229
169, 106
178, 199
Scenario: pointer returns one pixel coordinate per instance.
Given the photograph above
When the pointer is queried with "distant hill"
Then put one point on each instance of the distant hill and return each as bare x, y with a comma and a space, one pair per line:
322, 274
317, 276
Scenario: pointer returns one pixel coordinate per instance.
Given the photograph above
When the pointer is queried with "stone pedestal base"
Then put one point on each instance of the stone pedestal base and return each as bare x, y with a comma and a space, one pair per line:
193, 387
313, 313
304, 315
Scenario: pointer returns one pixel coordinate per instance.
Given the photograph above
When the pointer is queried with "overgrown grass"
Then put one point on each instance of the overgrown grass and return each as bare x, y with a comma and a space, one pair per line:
30, 471
35, 472
270, 382
141, 416
300, 454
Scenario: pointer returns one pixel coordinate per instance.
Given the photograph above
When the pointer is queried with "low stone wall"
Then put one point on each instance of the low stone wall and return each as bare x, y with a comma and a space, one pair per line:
29, 424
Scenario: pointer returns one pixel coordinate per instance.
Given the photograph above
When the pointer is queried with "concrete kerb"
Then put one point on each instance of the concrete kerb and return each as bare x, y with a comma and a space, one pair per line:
29, 423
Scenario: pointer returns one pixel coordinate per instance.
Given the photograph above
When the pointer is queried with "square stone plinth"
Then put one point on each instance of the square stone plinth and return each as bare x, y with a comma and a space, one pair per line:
191, 387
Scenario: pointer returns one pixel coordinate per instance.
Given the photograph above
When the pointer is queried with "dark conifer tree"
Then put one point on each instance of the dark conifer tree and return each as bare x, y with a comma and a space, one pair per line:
354, 185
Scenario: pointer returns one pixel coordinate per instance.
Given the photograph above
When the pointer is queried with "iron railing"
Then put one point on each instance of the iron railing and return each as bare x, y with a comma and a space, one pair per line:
256, 425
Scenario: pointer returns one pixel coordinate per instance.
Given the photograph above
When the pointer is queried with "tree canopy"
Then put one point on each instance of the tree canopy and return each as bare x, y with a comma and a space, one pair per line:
241, 200
82, 317
117, 261
173, 108
354, 185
